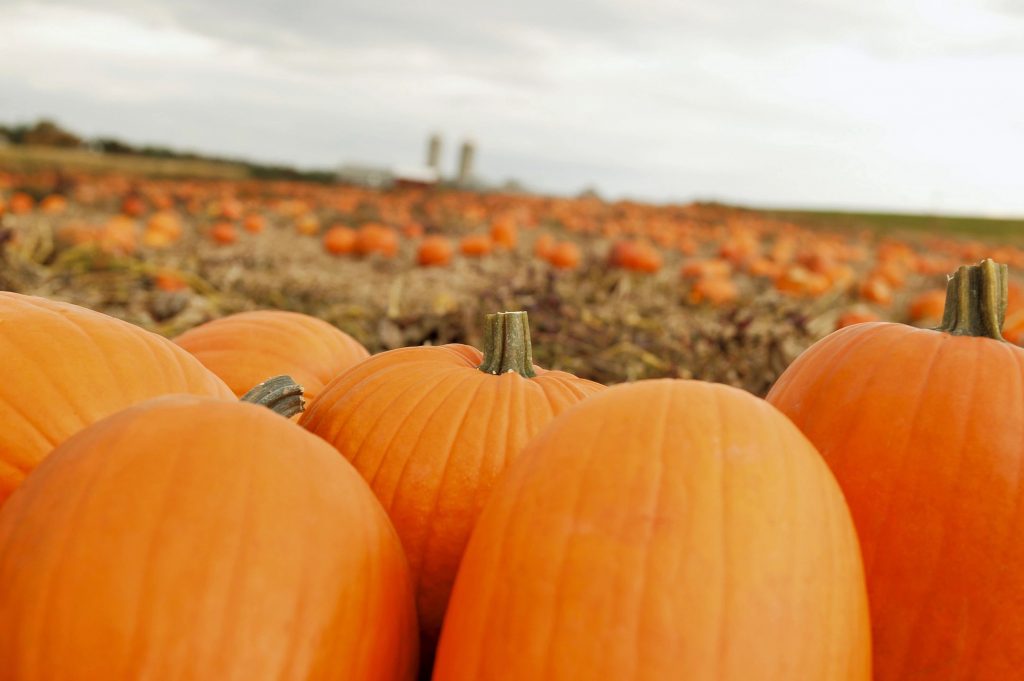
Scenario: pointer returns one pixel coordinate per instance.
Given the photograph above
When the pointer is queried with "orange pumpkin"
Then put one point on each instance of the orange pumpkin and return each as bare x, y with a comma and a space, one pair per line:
54, 204
543, 246
922, 429
376, 239
340, 240
21, 203
431, 429
799, 281
434, 251
475, 245
254, 223
856, 316
118, 236
638, 256
224, 233
928, 307
412, 230
307, 225
565, 256
194, 538
876, 289
171, 281
249, 347
162, 230
68, 367
133, 206
662, 529
504, 233
714, 290
229, 209
700, 269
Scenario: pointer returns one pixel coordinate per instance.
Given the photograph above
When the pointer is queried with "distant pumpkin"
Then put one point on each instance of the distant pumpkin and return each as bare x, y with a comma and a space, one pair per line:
434, 251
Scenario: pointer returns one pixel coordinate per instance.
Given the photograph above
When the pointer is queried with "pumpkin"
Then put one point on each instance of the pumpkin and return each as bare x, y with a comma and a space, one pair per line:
714, 291
856, 315
194, 538
431, 429
797, 280
475, 245
434, 251
224, 233
254, 223
638, 256
565, 256
928, 306
544, 245
340, 240
245, 348
118, 236
67, 367
162, 230
71, 367
412, 230
922, 429
664, 529
54, 204
876, 289
170, 281
133, 206
763, 267
504, 233
307, 225
229, 209
376, 238
21, 203
702, 269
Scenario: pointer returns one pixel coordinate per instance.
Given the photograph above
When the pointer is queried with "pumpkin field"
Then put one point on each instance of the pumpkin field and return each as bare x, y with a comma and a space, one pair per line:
616, 291
477, 469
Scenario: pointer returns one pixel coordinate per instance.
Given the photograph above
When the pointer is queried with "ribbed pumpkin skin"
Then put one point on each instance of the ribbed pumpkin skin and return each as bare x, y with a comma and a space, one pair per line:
194, 539
65, 367
662, 530
431, 433
247, 348
923, 431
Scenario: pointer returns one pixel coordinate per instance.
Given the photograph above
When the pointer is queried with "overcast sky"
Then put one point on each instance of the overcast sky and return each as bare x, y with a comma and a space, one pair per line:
908, 104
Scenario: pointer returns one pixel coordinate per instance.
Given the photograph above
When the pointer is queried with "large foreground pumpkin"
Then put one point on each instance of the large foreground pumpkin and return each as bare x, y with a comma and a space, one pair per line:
924, 432
249, 347
431, 429
65, 367
195, 539
662, 530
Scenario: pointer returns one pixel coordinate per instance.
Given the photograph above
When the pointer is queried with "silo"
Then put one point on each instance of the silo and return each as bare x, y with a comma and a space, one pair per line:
466, 155
434, 153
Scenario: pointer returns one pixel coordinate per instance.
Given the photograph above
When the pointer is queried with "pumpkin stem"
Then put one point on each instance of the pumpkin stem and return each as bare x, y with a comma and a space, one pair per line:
507, 344
280, 394
976, 300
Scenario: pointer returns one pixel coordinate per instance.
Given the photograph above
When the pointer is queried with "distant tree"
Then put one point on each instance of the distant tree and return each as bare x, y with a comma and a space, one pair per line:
47, 133
109, 145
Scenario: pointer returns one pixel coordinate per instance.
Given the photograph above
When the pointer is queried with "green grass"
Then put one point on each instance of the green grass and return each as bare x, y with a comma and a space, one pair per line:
994, 228
28, 159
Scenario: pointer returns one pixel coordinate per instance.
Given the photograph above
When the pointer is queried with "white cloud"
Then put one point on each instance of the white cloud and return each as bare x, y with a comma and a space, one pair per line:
909, 105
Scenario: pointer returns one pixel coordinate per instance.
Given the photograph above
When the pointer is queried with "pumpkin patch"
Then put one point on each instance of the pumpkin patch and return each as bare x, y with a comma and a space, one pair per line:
423, 500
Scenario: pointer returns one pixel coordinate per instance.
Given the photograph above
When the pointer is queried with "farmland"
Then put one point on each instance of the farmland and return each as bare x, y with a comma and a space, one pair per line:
396, 470
639, 291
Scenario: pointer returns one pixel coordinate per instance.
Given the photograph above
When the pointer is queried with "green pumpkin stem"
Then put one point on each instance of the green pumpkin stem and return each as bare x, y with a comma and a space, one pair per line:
507, 344
280, 394
976, 300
